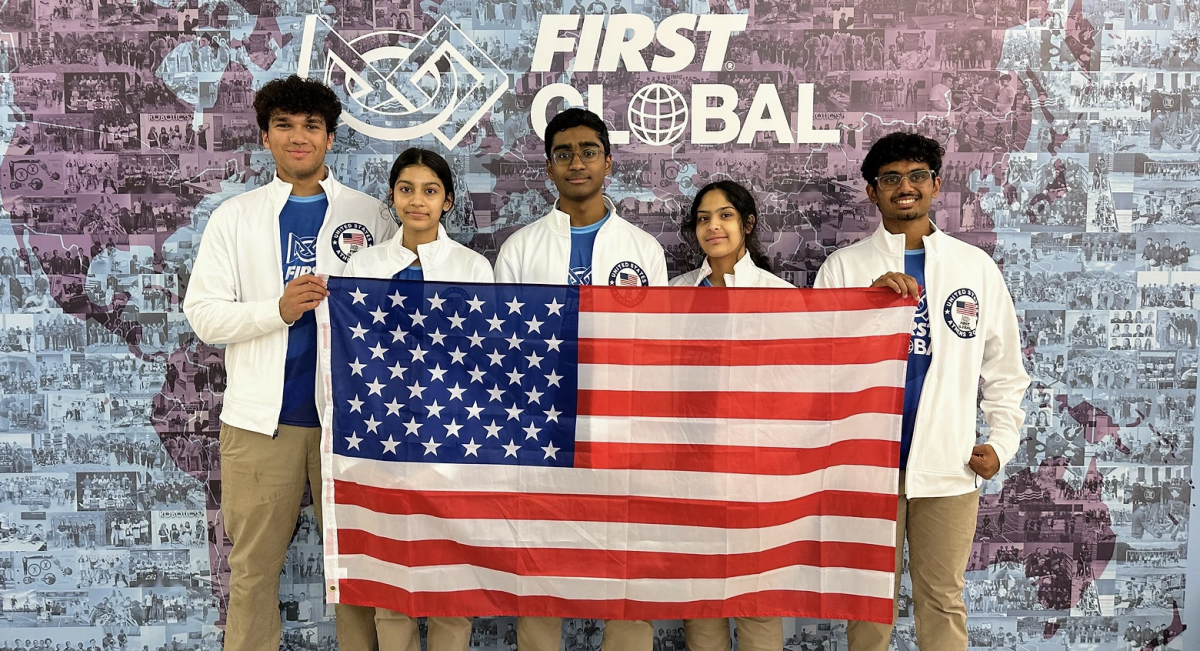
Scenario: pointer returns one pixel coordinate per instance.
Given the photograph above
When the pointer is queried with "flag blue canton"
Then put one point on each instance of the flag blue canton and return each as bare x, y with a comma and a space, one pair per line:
453, 373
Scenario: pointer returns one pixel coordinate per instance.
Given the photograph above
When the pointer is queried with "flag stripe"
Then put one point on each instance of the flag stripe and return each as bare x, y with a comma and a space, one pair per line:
746, 300
765, 603
619, 537
449, 578
735, 433
735, 459
741, 404
595, 508
741, 327
551, 561
658, 352
773, 379
435, 477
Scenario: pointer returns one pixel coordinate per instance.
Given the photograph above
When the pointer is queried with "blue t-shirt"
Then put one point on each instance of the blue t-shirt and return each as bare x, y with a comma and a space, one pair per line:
410, 273
582, 241
299, 223
920, 354
706, 283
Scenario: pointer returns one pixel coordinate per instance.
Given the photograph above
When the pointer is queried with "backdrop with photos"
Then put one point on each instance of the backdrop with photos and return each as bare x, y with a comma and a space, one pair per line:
1071, 126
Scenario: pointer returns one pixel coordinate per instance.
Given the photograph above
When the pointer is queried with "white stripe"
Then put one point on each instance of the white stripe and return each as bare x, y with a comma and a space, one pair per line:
740, 327
451, 578
843, 378
720, 431
617, 536
645, 483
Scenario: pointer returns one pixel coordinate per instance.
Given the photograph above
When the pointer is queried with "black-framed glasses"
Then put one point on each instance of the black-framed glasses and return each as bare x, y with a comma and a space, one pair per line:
587, 155
915, 177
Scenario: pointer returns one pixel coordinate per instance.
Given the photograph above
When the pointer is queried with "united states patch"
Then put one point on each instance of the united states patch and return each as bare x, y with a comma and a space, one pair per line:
608, 452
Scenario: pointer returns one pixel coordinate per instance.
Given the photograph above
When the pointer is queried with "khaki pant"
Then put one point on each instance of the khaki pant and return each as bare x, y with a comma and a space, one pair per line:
262, 483
753, 633
940, 532
545, 634
398, 632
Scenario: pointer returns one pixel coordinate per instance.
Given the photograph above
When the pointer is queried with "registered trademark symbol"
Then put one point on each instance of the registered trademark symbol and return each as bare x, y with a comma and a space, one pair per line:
729, 65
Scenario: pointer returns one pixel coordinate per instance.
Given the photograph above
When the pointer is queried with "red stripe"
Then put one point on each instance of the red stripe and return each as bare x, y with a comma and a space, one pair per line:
478, 505
605, 564
770, 352
741, 404
734, 459
488, 603
750, 300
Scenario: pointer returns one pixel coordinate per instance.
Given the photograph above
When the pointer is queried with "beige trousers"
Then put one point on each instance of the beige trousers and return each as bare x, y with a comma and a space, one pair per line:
262, 483
753, 634
545, 634
940, 531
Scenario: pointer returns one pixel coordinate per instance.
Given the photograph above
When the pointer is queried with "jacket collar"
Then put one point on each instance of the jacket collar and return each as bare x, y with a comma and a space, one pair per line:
893, 243
281, 190
560, 222
430, 253
744, 269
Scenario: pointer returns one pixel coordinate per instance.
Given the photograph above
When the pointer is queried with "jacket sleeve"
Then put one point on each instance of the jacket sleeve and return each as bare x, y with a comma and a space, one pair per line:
829, 275
481, 271
657, 263
211, 305
506, 264
1003, 373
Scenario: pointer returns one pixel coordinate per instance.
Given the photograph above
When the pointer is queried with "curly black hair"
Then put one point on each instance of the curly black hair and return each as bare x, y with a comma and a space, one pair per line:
296, 96
577, 117
898, 146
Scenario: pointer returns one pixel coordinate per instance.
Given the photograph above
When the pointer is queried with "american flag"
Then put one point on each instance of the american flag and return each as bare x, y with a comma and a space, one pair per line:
355, 239
611, 452
966, 308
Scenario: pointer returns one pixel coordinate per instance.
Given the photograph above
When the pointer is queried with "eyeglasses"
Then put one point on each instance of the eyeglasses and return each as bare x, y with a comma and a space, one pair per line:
587, 155
915, 177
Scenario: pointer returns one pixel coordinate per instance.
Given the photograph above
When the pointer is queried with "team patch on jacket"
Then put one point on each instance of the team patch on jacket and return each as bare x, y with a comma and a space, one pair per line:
350, 238
962, 312
628, 274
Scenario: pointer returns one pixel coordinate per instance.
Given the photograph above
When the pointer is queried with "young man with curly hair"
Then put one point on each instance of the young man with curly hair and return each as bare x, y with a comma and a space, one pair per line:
965, 328
253, 288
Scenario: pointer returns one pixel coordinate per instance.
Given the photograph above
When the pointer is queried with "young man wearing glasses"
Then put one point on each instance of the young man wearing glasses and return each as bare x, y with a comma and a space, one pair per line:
965, 328
582, 241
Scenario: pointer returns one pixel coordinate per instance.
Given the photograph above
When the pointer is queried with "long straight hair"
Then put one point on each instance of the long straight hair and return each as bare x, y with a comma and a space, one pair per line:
415, 156
743, 202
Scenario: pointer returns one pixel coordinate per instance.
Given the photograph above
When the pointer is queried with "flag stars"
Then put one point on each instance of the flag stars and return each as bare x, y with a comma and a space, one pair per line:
552, 378
514, 413
393, 407
554, 306
397, 370
535, 396
550, 451
531, 432
474, 410
417, 353
390, 445
514, 376
398, 334
355, 405
437, 337
510, 450
553, 343
376, 388
514, 306
514, 342
472, 449
476, 304
417, 318
435, 303
477, 375
397, 299
359, 331
431, 446
353, 440
452, 428
493, 430
496, 393
415, 390
497, 358
495, 323
435, 410
476, 339
535, 361
456, 321
456, 392
534, 325
372, 424
377, 351
552, 414
359, 297
438, 373
356, 367
457, 356
412, 426
378, 316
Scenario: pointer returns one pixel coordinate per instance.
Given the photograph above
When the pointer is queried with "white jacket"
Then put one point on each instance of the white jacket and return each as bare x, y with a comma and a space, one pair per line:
960, 280
442, 260
540, 253
745, 274
237, 281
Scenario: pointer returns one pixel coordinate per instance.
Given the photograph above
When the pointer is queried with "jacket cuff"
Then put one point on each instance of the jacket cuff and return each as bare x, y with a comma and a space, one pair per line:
266, 315
1003, 453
